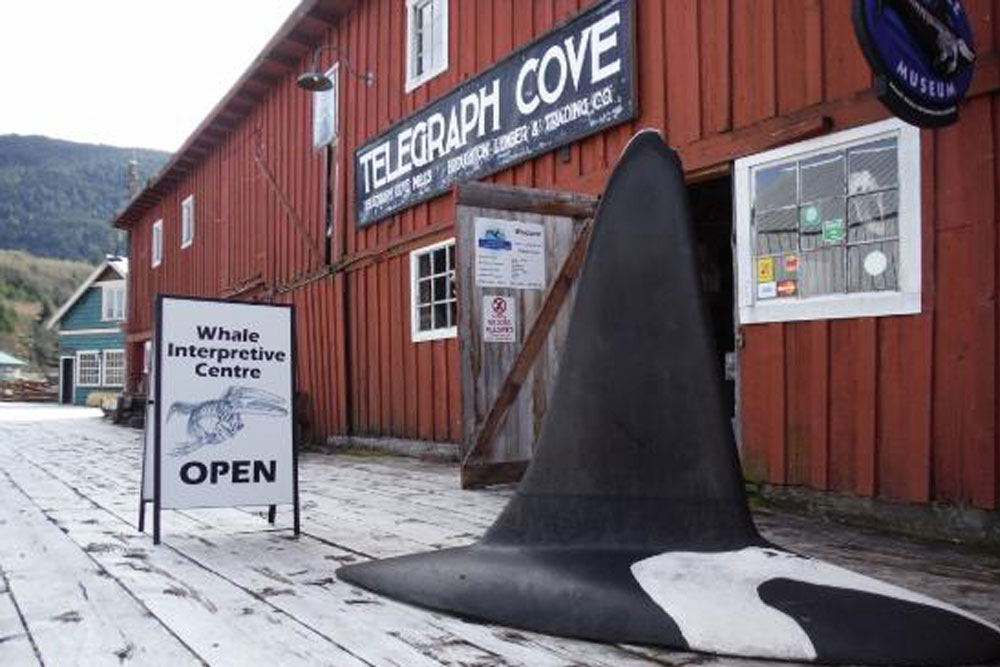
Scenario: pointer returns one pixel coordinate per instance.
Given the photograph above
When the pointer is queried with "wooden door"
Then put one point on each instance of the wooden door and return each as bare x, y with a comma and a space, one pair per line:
485, 365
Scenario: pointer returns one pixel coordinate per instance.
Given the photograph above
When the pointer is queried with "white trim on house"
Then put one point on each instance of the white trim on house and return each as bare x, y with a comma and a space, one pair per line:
416, 335
88, 332
117, 264
156, 244
187, 221
108, 287
78, 366
327, 102
438, 46
104, 367
905, 300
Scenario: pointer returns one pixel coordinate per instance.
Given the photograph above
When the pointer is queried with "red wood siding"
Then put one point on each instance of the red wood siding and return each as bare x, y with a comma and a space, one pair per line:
900, 407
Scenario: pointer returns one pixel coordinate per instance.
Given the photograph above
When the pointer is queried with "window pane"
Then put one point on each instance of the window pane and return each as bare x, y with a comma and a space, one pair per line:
441, 315
822, 223
453, 313
821, 272
440, 288
873, 216
425, 292
822, 176
873, 166
775, 187
440, 260
451, 257
777, 231
424, 265
425, 318
873, 267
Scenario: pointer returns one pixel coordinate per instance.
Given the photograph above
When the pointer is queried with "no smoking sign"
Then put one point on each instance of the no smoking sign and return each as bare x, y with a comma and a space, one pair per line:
499, 323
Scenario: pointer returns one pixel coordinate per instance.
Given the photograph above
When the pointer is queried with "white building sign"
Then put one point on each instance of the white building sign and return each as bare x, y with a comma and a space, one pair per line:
510, 254
223, 405
499, 319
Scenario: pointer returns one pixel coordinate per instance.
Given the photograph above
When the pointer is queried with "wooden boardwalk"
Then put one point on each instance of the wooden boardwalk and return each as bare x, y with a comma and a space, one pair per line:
80, 586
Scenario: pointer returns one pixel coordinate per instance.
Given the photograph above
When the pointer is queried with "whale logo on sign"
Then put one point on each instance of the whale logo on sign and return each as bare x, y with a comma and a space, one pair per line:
215, 421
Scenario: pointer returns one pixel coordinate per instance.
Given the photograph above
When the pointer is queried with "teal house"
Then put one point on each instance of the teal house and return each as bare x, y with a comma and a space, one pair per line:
91, 338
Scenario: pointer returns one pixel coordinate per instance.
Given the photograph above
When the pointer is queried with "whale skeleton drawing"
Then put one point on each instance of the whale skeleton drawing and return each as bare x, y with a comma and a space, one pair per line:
215, 421
631, 524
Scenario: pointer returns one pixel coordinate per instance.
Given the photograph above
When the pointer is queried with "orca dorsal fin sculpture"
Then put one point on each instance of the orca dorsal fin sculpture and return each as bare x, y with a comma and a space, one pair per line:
631, 524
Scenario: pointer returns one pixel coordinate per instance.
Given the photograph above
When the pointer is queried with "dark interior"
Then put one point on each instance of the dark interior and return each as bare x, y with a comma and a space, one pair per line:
712, 212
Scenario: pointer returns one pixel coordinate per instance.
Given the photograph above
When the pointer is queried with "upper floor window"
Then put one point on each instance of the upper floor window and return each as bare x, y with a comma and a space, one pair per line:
830, 227
113, 300
156, 244
187, 221
434, 305
325, 106
427, 40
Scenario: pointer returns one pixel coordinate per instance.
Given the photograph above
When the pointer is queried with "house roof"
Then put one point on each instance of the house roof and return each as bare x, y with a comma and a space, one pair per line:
117, 264
8, 360
296, 38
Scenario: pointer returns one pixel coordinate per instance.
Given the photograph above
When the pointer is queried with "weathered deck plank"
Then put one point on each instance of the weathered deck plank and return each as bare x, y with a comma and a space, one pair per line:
224, 578
15, 644
73, 612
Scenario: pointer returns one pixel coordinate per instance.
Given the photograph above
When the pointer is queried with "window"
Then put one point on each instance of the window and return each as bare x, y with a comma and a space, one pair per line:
434, 310
113, 301
830, 227
325, 107
88, 369
187, 221
156, 249
114, 368
427, 40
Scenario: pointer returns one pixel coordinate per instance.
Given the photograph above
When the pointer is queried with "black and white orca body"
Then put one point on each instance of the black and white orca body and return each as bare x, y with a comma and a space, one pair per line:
631, 524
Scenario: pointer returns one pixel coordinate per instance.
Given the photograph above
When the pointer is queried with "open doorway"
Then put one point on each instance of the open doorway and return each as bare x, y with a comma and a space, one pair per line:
66, 380
712, 212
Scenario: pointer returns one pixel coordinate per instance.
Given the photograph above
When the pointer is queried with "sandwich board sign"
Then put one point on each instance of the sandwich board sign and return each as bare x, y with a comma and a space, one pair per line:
223, 390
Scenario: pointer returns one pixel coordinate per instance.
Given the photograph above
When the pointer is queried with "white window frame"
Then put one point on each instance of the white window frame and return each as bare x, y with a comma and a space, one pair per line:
80, 354
439, 49
835, 306
187, 221
416, 334
156, 244
104, 368
327, 102
108, 290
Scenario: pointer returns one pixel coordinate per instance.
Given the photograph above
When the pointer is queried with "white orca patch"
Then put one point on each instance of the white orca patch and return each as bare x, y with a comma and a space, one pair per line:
713, 598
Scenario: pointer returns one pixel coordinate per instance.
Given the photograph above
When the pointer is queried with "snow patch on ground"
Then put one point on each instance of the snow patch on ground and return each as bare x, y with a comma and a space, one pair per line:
45, 412
713, 598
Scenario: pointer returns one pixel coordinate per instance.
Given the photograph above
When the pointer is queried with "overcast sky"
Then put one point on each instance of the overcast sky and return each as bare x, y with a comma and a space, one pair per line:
135, 73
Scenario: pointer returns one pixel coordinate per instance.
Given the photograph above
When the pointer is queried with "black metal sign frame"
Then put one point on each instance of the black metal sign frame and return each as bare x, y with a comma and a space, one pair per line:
574, 81
157, 403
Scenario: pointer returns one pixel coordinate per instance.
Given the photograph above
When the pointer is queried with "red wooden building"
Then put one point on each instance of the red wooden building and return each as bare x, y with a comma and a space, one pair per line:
897, 398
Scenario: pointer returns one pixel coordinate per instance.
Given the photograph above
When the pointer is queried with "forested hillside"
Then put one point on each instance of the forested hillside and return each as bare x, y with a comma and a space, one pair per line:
57, 197
31, 289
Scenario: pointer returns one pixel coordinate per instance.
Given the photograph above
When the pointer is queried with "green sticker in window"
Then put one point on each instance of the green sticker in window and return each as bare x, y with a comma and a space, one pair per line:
810, 214
834, 231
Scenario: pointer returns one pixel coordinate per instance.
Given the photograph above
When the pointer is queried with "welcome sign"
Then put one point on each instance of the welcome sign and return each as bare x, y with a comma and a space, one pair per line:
223, 405
573, 82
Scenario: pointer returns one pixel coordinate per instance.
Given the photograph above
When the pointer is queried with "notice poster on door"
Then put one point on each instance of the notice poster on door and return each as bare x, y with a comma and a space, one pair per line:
224, 404
510, 254
499, 319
